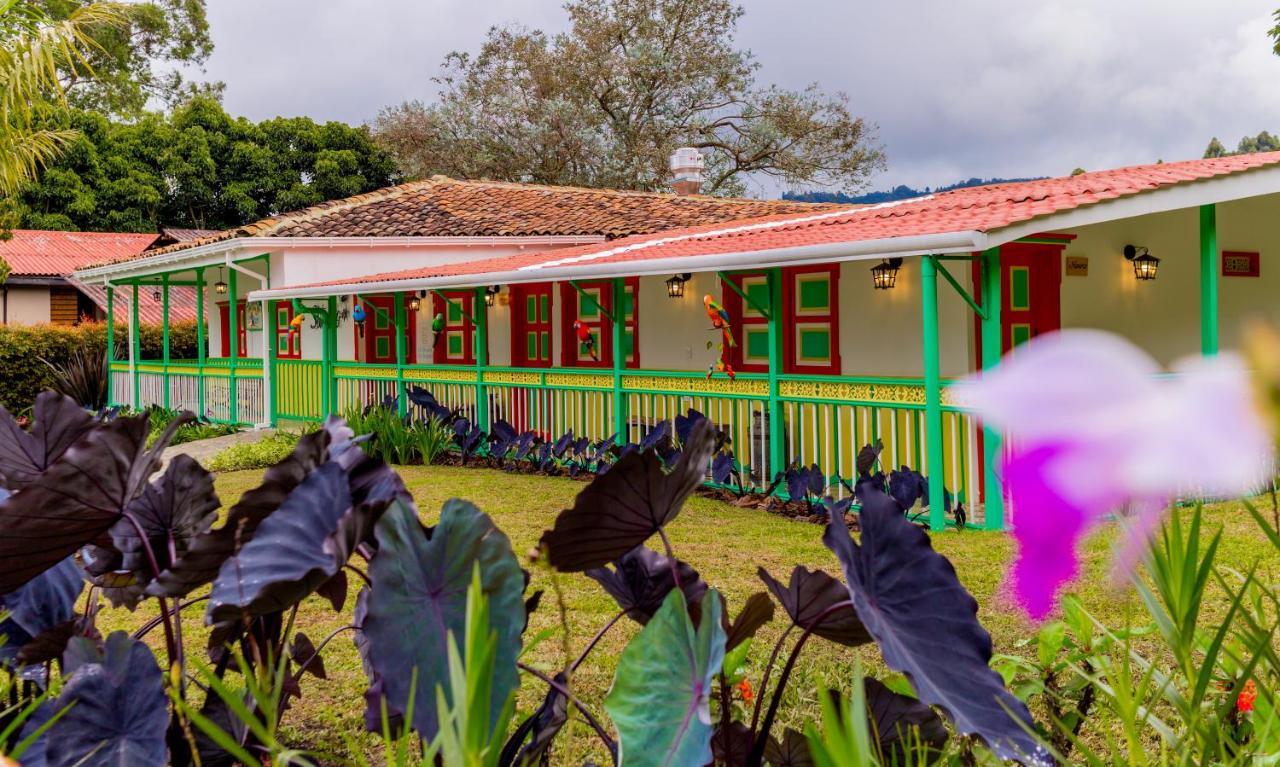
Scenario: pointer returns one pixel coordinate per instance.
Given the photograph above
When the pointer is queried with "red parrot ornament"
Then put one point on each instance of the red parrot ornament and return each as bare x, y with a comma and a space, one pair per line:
585, 339
719, 319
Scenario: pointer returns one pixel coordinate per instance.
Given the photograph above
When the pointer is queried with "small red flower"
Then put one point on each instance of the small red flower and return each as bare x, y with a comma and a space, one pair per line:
744, 689
1248, 694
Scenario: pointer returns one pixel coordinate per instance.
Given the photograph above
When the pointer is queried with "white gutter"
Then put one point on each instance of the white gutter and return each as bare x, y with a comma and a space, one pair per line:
891, 247
215, 253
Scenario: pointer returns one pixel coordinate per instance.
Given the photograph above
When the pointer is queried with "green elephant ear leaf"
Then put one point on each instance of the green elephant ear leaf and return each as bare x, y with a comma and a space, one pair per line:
660, 701
419, 596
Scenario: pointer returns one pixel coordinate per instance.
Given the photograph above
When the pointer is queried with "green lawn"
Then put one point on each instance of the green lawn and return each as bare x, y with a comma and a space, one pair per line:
724, 543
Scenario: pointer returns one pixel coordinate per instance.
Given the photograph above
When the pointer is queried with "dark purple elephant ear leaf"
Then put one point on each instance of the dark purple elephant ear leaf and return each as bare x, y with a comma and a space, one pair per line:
906, 730
811, 593
904, 591
641, 579
419, 596
755, 612
115, 710
56, 423
791, 751
42, 605
531, 743
77, 499
867, 457
177, 507
621, 508
206, 553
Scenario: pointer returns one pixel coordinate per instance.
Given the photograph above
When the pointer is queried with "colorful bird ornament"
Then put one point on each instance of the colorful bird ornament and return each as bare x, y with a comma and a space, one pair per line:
437, 327
586, 341
295, 324
719, 319
358, 315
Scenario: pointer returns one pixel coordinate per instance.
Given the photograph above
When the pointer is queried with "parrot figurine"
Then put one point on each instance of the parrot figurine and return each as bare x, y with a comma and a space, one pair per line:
295, 324
358, 315
719, 318
437, 327
720, 366
585, 339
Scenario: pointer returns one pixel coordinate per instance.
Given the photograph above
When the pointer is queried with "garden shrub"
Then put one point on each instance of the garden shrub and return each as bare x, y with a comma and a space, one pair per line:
401, 440
265, 452
24, 350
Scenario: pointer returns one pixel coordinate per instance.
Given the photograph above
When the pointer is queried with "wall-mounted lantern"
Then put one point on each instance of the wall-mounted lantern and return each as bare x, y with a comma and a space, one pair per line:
675, 285
155, 294
884, 275
1145, 265
220, 287
415, 303
490, 294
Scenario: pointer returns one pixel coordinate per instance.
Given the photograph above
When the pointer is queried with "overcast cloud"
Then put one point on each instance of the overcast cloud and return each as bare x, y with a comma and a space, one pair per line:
958, 89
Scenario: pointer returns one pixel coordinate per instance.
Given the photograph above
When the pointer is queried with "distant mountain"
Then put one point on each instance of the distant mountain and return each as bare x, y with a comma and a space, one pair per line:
900, 192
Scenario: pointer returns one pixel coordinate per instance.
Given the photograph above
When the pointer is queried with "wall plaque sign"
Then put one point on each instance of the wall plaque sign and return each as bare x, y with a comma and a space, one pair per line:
1077, 266
1238, 263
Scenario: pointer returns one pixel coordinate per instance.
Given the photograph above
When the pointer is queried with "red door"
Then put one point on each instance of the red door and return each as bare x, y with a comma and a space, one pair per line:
379, 344
1031, 281
531, 325
224, 323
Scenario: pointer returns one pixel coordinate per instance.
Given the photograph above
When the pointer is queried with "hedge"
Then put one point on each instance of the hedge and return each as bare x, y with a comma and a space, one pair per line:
23, 375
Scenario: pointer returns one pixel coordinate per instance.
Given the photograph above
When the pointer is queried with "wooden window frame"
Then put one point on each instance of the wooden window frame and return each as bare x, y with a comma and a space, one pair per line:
522, 326
462, 326
570, 353
745, 321
293, 341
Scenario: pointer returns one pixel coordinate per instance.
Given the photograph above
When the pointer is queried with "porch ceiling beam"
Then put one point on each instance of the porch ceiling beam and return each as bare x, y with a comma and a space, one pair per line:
592, 299
725, 278
968, 299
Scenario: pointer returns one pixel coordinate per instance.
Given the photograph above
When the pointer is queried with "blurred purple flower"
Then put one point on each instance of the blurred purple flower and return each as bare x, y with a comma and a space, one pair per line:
1092, 427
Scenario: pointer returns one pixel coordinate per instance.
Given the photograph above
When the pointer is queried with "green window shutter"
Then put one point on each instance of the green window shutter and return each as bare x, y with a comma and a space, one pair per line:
1019, 334
757, 289
380, 320
813, 293
546, 308
815, 345
531, 309
1019, 288
545, 347
628, 343
589, 307
757, 344
382, 347
454, 344
531, 344
628, 303
282, 344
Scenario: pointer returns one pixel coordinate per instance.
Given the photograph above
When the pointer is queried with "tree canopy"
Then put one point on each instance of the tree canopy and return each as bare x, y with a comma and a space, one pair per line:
136, 61
606, 103
198, 167
1263, 142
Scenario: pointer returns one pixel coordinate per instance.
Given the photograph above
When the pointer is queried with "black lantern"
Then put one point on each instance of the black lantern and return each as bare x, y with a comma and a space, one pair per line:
415, 303
155, 294
220, 287
675, 285
1145, 265
490, 292
884, 275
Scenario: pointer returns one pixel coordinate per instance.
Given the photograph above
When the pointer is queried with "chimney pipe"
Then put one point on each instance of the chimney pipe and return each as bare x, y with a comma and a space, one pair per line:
687, 165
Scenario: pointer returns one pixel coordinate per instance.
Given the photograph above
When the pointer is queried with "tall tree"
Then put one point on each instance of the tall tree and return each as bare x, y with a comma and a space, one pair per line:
605, 104
198, 167
1263, 142
136, 61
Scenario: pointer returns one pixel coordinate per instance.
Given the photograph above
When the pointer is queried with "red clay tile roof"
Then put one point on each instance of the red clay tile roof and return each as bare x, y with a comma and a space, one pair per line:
984, 209
170, 235
37, 253
445, 207
182, 302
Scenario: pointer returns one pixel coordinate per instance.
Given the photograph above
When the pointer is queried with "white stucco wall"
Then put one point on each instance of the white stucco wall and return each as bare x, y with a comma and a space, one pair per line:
1163, 315
26, 305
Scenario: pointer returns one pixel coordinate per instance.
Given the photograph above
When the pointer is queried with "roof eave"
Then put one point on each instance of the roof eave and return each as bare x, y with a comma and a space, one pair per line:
904, 247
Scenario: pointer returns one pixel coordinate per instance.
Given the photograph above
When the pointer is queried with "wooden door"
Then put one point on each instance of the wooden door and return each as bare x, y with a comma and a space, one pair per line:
1031, 280
380, 331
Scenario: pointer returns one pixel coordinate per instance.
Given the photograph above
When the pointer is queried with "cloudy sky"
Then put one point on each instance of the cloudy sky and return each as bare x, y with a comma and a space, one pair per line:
958, 89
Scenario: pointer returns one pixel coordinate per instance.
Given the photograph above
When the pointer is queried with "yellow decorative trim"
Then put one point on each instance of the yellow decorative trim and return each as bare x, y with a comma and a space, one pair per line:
588, 381
513, 377
427, 374
365, 372
687, 385
843, 391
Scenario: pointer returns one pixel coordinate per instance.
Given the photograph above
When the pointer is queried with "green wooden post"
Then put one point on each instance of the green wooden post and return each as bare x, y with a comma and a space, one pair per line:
135, 348
1208, 280
233, 344
111, 341
271, 353
992, 346
777, 450
329, 394
932, 392
402, 338
482, 359
164, 323
201, 352
619, 326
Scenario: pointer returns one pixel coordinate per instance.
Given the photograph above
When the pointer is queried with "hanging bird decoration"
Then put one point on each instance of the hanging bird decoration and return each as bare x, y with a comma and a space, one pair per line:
295, 324
357, 314
586, 341
437, 328
719, 319
721, 366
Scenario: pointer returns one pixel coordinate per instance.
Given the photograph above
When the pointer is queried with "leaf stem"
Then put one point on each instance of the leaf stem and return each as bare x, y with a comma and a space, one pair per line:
595, 640
671, 557
755, 758
586, 713
764, 680
173, 646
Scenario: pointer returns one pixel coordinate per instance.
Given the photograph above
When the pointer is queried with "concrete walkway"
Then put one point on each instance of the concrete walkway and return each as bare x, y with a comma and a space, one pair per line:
204, 449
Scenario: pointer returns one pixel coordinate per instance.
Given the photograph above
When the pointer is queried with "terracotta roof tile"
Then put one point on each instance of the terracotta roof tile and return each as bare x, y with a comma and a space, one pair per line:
40, 253
984, 208
445, 207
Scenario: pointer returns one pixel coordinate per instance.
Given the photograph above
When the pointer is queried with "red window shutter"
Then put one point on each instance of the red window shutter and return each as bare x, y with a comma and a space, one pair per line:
455, 343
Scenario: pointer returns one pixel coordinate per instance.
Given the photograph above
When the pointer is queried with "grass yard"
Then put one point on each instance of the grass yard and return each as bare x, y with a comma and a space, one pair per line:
725, 544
